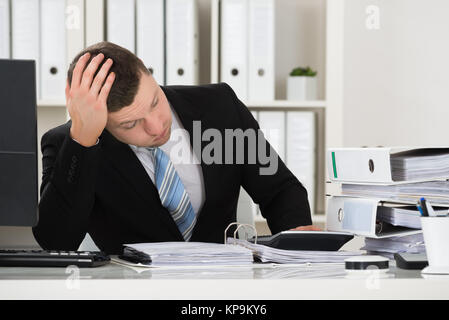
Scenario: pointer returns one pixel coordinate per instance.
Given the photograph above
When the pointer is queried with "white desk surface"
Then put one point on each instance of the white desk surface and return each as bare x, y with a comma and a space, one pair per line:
115, 281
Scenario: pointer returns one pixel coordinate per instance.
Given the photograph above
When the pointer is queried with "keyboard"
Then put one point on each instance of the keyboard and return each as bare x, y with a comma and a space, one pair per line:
44, 258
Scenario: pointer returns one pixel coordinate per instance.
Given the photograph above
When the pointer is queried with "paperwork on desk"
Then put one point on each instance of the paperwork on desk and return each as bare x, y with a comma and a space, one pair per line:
388, 246
268, 254
235, 253
194, 253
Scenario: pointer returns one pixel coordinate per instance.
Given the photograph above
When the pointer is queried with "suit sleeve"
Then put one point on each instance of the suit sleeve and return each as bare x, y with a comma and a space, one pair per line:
281, 197
67, 191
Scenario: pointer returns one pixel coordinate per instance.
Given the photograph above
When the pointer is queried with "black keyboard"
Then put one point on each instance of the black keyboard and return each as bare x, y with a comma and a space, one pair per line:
43, 258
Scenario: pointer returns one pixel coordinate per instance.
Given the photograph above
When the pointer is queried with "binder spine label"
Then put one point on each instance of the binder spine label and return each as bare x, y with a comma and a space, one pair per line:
334, 165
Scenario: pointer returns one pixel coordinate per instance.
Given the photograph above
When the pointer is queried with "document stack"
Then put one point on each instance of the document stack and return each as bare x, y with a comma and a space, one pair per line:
265, 254
380, 188
178, 253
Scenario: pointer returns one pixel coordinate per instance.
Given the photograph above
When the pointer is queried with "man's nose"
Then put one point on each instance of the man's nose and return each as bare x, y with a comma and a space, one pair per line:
154, 126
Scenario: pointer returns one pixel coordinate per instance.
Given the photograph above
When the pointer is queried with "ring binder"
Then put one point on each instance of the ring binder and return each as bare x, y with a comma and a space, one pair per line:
239, 225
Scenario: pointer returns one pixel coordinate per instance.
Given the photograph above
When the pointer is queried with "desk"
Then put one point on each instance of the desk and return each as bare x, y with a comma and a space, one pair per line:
115, 281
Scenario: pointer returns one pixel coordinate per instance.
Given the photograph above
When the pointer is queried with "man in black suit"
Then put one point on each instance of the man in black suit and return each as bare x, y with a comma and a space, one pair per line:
100, 169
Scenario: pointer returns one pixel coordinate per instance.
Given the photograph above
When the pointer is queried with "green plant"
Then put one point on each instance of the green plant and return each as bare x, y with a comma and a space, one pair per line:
307, 72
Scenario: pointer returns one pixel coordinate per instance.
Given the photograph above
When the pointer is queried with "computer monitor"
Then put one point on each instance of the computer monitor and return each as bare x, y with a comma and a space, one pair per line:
18, 143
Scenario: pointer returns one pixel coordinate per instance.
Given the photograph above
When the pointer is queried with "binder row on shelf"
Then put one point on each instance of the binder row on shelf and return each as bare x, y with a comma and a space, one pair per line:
247, 48
35, 30
163, 33
292, 136
380, 188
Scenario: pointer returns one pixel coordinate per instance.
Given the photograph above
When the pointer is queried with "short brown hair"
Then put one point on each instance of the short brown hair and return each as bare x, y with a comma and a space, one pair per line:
127, 67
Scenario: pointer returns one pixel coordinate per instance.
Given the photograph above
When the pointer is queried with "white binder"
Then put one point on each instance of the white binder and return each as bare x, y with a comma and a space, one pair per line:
53, 49
367, 165
234, 46
301, 150
182, 42
75, 22
4, 30
150, 36
261, 50
272, 124
358, 216
26, 33
94, 17
121, 23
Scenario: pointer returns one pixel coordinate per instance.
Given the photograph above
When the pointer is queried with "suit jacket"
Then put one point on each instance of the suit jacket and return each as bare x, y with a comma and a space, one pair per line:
104, 190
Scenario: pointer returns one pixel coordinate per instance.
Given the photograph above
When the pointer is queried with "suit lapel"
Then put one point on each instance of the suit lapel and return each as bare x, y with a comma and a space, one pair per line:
129, 166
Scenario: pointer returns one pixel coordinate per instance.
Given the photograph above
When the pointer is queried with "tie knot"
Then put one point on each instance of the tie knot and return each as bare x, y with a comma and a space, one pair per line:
152, 150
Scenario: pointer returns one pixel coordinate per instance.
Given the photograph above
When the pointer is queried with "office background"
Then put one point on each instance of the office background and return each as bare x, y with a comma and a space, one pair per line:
381, 75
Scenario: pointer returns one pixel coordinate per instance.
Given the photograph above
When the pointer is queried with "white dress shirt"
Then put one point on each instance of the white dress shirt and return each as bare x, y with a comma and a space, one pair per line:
186, 164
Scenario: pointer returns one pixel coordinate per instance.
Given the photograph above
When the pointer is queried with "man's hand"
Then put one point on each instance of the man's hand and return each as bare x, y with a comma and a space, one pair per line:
86, 99
306, 228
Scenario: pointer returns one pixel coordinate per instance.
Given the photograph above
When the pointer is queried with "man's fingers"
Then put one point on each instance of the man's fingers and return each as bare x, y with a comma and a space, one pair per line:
306, 228
88, 74
78, 70
67, 89
101, 76
106, 88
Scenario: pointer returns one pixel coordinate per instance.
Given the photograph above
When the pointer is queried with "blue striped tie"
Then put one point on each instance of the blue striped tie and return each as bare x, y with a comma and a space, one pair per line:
173, 194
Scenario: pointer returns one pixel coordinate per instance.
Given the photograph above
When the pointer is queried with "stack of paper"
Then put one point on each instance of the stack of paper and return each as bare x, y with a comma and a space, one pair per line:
417, 165
406, 216
194, 253
436, 192
388, 246
269, 254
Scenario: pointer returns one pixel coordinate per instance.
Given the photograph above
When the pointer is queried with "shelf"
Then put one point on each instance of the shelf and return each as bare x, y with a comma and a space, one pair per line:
287, 104
51, 103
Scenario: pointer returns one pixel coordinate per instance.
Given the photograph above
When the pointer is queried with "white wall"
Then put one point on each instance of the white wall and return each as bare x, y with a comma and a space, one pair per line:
396, 77
300, 41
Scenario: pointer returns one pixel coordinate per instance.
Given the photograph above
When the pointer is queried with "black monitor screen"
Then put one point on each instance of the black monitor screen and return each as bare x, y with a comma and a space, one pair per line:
18, 143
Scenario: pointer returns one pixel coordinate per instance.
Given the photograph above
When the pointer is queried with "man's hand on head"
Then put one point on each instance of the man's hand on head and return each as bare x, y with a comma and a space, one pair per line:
306, 228
86, 98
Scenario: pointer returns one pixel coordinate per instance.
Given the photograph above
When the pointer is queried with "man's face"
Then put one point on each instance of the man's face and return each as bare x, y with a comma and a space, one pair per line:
147, 121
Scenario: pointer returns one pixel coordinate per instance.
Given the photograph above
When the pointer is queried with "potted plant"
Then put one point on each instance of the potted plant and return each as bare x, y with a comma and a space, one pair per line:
302, 84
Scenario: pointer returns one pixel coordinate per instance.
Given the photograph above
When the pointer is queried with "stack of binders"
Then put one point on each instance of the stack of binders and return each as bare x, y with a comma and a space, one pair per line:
380, 188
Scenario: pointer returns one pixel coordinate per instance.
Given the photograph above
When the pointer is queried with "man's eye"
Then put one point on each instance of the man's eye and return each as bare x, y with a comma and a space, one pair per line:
130, 125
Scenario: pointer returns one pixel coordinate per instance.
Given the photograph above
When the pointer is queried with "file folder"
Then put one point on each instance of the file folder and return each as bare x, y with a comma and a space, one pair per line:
234, 46
94, 17
120, 23
53, 49
358, 216
75, 22
4, 30
376, 165
272, 124
182, 42
301, 150
26, 33
150, 36
261, 50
